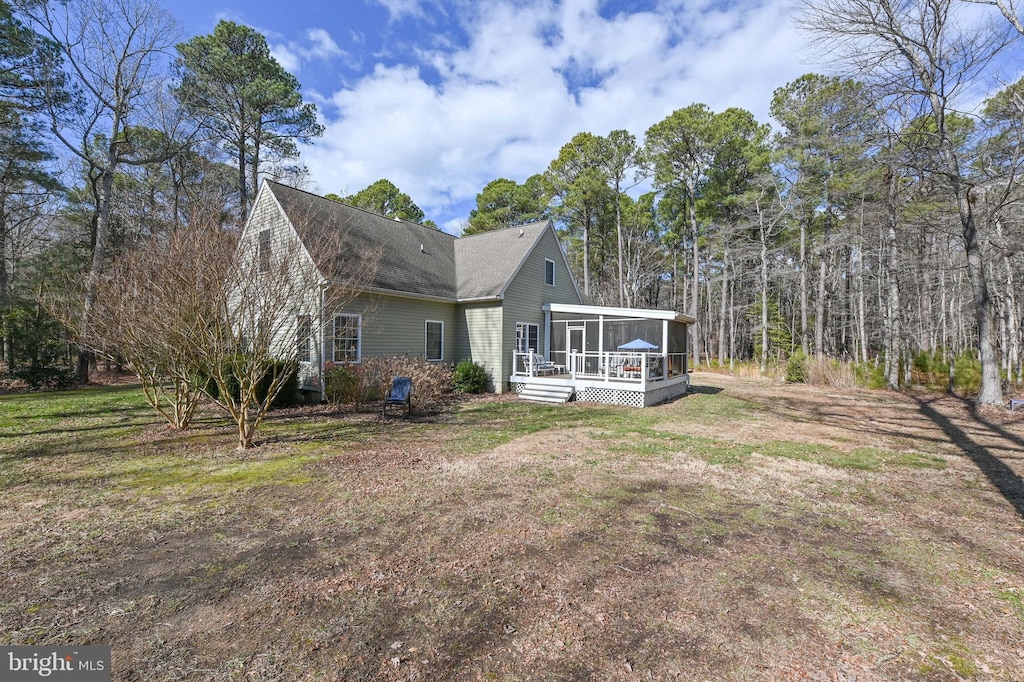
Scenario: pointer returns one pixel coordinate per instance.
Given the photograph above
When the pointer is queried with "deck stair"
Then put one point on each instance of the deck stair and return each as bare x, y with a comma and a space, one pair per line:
546, 393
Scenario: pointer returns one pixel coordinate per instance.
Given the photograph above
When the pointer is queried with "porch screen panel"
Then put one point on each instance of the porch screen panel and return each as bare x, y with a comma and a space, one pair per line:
593, 336
558, 343
618, 332
676, 337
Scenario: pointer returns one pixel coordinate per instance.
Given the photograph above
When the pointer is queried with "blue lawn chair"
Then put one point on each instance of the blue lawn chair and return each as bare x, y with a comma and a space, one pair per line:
400, 394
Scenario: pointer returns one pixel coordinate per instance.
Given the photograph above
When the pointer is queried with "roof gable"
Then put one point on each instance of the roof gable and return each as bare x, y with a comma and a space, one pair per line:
414, 259
488, 261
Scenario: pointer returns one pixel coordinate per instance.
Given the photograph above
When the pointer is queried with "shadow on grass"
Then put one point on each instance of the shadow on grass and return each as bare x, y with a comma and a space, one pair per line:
1005, 479
705, 390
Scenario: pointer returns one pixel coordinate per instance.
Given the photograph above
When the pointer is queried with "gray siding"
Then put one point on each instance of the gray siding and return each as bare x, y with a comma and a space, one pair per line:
288, 252
479, 340
528, 292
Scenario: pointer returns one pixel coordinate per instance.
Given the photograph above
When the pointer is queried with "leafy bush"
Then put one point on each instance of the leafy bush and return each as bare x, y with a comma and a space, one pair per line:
469, 377
47, 377
289, 394
870, 375
796, 368
343, 384
967, 373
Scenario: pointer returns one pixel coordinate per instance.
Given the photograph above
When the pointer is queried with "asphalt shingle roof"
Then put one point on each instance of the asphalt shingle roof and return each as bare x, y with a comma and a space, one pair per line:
413, 259
486, 262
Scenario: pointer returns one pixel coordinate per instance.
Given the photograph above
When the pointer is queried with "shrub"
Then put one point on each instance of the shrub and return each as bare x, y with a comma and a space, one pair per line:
870, 375
469, 377
796, 368
47, 377
967, 373
343, 384
288, 396
371, 379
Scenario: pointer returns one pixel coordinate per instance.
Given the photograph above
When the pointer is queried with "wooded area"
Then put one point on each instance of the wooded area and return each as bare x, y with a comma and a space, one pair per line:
874, 221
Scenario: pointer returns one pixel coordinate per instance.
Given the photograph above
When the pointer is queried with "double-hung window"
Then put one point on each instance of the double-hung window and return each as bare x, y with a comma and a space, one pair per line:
527, 337
434, 333
346, 338
303, 337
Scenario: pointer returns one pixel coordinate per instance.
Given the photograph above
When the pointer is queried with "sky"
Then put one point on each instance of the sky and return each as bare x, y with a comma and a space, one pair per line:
441, 97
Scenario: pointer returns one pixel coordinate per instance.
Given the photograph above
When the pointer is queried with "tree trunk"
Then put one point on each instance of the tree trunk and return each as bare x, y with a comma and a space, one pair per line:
724, 308
804, 341
243, 194
695, 300
893, 331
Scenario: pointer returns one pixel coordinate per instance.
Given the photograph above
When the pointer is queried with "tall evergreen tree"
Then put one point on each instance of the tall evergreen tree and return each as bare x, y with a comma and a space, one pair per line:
246, 101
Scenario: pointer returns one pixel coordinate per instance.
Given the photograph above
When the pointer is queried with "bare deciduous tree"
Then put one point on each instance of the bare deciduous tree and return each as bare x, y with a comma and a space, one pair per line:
111, 52
919, 51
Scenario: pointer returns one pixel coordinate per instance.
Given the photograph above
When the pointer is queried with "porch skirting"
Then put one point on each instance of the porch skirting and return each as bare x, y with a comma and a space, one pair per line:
629, 397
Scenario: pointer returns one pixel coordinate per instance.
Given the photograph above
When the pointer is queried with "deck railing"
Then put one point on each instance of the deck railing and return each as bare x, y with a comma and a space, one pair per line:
617, 366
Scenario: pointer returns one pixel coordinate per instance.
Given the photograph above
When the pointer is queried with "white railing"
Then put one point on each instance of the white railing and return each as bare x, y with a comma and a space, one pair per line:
533, 364
615, 366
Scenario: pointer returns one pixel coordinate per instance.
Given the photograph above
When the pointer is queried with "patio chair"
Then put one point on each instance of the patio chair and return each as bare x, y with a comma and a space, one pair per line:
542, 366
400, 394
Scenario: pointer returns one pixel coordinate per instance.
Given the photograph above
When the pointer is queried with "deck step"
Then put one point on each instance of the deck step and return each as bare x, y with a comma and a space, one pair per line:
543, 393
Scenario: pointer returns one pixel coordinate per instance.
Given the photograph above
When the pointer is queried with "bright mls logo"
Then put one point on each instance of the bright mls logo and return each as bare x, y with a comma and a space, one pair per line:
81, 664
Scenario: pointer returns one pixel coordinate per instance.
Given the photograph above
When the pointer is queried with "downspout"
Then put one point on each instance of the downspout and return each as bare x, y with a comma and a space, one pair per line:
323, 343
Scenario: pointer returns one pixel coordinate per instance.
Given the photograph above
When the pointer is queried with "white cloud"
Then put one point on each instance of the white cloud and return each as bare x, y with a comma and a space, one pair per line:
318, 45
323, 46
534, 75
398, 9
286, 58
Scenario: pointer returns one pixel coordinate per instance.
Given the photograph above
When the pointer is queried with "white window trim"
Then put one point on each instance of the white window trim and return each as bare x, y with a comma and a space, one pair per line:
552, 282
308, 341
359, 336
426, 349
526, 328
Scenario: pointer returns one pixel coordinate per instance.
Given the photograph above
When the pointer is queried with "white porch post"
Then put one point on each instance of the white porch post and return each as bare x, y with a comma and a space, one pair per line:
547, 334
664, 349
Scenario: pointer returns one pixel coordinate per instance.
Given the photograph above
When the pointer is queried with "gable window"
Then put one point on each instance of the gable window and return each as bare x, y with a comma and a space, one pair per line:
434, 332
549, 272
264, 251
527, 337
346, 338
303, 336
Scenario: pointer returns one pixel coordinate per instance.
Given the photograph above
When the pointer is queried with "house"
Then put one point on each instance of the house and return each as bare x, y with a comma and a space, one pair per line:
504, 299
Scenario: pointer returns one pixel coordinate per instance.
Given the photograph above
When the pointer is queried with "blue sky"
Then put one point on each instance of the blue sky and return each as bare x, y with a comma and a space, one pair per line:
441, 97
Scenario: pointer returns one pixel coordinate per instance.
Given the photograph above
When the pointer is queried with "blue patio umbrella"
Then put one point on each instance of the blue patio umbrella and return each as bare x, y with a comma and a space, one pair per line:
638, 344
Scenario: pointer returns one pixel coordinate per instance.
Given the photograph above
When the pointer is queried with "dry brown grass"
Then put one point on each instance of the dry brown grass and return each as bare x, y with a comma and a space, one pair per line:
748, 531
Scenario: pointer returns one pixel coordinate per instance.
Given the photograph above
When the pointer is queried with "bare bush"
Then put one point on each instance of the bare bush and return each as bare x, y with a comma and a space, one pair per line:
371, 379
